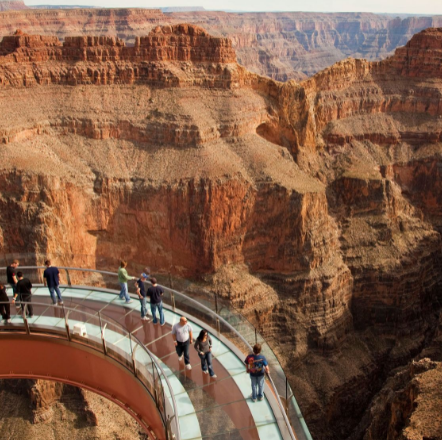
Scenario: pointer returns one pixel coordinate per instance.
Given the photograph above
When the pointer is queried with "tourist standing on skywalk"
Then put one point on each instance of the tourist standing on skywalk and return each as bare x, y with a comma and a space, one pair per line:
257, 366
141, 292
203, 345
182, 336
5, 308
123, 278
51, 278
24, 292
155, 293
11, 275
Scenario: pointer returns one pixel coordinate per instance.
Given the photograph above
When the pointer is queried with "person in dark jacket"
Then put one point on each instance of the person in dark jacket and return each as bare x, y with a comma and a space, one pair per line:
24, 292
5, 308
51, 278
155, 293
11, 275
203, 345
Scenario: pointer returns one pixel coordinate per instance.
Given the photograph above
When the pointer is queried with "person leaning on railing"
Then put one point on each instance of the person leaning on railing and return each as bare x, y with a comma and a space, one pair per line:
123, 278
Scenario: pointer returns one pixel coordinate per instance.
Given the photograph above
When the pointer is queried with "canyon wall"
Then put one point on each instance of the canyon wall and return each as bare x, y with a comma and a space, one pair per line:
282, 46
313, 207
56, 410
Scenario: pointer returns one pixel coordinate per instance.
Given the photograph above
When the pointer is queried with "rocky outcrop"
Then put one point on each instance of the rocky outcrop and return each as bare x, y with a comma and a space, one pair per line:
407, 407
27, 60
41, 409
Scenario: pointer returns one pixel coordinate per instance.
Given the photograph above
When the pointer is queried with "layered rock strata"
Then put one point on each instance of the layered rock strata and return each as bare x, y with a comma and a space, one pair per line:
283, 46
29, 59
312, 207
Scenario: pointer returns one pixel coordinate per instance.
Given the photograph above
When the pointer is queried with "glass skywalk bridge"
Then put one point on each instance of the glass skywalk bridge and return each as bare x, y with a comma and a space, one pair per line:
191, 404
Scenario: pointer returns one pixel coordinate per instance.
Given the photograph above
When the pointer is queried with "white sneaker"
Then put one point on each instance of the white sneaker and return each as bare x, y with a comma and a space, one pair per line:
188, 367
180, 358
60, 303
214, 376
205, 372
129, 302
145, 319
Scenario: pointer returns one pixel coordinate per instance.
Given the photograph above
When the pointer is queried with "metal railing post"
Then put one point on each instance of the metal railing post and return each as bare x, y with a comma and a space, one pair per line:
68, 278
66, 324
172, 298
134, 362
103, 341
169, 434
25, 319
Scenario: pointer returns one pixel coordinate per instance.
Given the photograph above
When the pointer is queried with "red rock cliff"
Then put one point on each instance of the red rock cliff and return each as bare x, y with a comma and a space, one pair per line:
27, 60
312, 206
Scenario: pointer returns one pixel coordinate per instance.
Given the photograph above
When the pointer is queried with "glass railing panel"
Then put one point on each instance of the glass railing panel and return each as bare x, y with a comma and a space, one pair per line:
118, 342
84, 327
144, 367
192, 308
160, 398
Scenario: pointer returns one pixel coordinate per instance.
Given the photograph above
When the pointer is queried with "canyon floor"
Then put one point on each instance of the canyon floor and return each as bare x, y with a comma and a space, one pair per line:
313, 207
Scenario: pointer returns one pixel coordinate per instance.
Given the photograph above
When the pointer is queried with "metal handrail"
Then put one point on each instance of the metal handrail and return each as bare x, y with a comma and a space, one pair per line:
66, 310
205, 308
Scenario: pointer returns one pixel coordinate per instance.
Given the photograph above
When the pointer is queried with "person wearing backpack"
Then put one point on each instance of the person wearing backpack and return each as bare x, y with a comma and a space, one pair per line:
257, 366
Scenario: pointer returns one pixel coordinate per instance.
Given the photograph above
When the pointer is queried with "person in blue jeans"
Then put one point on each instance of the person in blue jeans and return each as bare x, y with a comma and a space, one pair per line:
203, 345
182, 335
155, 293
51, 277
141, 292
257, 366
123, 278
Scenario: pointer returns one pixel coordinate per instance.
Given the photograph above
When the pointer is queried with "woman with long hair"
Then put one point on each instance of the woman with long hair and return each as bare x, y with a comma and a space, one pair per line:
203, 345
5, 308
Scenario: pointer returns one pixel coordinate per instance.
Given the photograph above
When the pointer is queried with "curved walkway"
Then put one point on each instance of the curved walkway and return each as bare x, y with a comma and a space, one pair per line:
207, 408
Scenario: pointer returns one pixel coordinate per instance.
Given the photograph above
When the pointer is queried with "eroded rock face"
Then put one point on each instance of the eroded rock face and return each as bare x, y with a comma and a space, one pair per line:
43, 409
407, 407
282, 46
311, 206
111, 62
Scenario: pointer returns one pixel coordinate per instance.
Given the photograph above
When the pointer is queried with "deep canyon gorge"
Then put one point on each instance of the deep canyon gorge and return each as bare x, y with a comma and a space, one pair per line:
312, 205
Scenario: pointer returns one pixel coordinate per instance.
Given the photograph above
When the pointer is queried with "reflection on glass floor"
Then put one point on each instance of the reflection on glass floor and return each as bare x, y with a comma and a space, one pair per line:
207, 408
